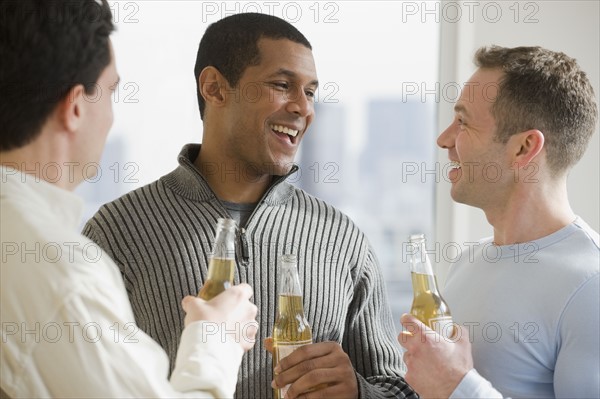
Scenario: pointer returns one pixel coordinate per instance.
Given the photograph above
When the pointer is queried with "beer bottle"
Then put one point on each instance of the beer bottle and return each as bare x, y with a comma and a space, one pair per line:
291, 328
428, 304
221, 266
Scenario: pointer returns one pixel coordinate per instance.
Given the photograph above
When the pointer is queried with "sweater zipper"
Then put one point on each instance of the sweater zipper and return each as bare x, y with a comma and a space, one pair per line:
244, 245
243, 235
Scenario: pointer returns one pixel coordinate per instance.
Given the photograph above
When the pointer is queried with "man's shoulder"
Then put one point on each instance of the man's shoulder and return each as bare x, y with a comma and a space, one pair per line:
130, 209
61, 256
148, 195
587, 235
320, 207
576, 245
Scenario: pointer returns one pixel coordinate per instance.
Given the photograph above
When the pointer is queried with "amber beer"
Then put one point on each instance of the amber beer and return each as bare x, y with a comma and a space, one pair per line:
428, 304
291, 329
221, 266
220, 277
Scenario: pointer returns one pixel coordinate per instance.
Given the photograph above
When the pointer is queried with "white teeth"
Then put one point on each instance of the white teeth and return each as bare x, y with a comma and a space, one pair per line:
285, 130
455, 164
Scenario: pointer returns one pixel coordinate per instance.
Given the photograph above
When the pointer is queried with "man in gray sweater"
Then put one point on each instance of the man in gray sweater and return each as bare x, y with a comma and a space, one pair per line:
256, 82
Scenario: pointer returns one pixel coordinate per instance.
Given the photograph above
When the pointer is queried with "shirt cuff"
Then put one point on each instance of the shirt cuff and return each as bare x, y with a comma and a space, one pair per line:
206, 361
474, 385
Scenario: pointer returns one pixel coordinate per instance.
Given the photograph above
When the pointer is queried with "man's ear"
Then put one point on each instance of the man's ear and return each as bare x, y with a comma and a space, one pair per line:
212, 86
526, 146
71, 109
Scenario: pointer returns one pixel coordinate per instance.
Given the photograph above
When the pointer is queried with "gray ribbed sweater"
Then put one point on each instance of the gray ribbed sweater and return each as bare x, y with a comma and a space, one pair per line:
161, 236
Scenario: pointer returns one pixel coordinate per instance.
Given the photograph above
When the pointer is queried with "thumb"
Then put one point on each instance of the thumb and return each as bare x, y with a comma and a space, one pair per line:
185, 302
269, 344
409, 318
412, 324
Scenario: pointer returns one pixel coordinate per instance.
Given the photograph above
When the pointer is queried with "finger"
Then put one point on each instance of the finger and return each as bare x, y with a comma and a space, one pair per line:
404, 337
305, 353
246, 290
289, 370
414, 326
268, 342
231, 297
324, 383
249, 337
410, 319
187, 301
250, 331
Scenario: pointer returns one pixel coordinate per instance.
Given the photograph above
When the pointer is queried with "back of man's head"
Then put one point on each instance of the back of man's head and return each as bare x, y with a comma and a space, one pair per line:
46, 48
231, 45
544, 90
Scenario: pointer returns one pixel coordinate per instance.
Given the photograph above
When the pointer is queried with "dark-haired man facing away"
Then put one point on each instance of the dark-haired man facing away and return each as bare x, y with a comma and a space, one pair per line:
67, 325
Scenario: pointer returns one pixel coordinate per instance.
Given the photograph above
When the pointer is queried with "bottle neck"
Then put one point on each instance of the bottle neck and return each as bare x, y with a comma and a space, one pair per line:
289, 282
224, 246
423, 279
419, 261
289, 292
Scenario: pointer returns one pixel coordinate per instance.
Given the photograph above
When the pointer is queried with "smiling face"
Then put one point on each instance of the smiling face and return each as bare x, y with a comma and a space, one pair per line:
482, 173
271, 108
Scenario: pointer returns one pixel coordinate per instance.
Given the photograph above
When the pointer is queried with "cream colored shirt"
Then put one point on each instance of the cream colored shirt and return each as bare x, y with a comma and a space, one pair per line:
67, 328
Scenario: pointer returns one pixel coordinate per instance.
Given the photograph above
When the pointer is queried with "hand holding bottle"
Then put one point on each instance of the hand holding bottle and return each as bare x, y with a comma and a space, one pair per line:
428, 304
229, 311
221, 268
436, 364
323, 368
302, 366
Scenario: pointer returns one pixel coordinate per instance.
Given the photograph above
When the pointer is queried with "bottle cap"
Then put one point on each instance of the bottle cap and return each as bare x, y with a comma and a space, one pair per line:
226, 222
288, 258
417, 237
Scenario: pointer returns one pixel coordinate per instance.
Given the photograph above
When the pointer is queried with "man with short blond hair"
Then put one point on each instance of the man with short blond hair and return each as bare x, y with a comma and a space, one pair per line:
528, 298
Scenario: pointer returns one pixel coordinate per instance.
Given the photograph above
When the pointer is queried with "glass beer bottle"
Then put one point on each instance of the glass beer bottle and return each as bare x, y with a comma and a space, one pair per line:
221, 266
428, 304
291, 329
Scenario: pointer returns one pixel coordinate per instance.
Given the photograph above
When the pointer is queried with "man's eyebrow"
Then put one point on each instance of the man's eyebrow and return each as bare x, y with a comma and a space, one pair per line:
291, 75
461, 108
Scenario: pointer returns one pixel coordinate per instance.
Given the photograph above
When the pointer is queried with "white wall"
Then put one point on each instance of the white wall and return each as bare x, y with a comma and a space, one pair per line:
568, 26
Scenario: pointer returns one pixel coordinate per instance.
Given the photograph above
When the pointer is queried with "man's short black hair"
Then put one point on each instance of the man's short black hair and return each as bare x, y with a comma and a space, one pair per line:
46, 48
231, 45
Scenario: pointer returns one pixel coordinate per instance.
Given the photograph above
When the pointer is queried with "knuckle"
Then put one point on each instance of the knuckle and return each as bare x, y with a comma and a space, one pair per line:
284, 363
291, 392
279, 380
307, 366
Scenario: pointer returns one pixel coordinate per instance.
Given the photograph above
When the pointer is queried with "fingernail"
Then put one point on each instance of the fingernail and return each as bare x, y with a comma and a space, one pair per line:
277, 370
273, 385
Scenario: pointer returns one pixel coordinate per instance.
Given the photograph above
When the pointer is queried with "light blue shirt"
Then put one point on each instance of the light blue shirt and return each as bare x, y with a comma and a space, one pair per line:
533, 311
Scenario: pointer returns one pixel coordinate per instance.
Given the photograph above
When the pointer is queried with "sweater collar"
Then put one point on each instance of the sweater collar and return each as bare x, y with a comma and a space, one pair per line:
187, 181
